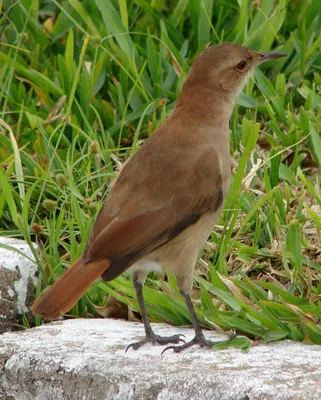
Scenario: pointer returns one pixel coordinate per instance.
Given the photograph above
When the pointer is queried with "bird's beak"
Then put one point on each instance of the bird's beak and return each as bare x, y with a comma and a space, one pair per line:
270, 56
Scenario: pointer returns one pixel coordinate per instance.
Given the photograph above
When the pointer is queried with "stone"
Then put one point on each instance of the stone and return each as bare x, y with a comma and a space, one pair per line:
86, 359
17, 281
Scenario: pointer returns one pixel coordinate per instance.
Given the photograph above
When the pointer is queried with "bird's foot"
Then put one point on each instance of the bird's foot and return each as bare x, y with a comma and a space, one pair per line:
156, 339
198, 339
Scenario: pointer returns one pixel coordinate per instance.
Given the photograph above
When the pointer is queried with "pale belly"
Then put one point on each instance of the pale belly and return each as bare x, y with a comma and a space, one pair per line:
178, 257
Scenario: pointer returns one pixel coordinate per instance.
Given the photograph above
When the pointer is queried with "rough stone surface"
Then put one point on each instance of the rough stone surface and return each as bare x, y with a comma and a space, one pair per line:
17, 282
86, 359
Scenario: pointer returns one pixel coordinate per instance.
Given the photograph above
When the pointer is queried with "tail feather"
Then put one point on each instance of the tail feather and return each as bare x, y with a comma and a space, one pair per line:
61, 297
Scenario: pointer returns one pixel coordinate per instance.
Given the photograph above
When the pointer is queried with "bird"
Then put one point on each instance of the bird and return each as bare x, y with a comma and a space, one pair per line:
168, 196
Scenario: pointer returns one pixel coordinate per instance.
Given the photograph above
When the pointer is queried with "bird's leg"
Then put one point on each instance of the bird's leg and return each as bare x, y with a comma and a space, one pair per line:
199, 338
150, 336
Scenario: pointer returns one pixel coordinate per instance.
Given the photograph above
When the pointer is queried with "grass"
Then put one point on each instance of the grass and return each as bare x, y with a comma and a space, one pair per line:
83, 83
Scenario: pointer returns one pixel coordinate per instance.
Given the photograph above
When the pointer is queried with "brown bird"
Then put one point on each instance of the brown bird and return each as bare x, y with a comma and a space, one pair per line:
167, 198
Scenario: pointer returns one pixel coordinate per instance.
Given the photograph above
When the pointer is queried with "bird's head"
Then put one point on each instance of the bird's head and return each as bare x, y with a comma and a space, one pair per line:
227, 66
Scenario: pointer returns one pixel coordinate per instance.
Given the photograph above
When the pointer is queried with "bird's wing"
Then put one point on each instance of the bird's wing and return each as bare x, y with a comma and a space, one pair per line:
146, 208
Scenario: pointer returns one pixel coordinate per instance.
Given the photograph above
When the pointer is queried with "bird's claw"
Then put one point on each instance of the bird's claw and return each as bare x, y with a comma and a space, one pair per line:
156, 339
199, 340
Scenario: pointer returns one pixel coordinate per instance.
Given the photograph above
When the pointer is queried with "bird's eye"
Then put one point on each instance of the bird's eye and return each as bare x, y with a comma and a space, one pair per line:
241, 65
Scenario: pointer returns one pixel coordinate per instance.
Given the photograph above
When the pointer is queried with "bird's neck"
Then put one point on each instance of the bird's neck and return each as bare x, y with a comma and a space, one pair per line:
204, 105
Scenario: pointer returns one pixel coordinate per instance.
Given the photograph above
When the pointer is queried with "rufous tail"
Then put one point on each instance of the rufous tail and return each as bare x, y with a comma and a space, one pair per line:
65, 293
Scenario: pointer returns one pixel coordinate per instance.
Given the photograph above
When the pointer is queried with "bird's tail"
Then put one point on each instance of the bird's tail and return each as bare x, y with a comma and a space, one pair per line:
61, 297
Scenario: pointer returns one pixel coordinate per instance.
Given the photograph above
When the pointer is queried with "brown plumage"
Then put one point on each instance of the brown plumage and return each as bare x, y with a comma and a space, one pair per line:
67, 290
168, 196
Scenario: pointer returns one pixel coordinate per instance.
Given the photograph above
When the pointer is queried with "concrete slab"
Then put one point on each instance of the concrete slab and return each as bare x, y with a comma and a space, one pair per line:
86, 359
17, 281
